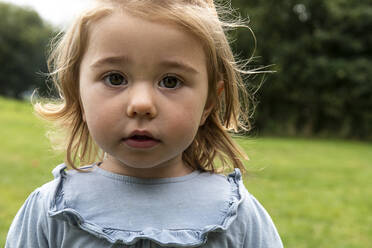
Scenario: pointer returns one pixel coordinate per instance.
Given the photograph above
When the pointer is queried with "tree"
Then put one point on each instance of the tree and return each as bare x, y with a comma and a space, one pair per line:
23, 40
322, 52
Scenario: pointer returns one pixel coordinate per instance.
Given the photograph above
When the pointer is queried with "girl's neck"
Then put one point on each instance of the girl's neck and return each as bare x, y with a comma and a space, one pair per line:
175, 167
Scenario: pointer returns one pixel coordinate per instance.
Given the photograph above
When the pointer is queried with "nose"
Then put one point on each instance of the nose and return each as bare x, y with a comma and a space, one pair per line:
141, 102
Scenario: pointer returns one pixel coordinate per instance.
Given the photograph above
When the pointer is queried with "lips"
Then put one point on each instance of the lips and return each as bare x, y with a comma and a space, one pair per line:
141, 140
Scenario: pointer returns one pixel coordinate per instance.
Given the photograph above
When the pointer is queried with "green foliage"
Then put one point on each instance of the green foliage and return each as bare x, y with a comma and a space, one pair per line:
317, 191
23, 40
322, 53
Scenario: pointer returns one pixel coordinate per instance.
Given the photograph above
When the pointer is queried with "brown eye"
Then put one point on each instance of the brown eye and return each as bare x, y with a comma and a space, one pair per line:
115, 79
170, 82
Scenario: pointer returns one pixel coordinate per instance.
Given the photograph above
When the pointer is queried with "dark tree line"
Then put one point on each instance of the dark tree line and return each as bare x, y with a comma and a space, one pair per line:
322, 54
23, 40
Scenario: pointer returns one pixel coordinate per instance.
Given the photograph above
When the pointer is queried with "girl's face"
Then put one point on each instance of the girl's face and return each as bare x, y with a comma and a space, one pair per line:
143, 87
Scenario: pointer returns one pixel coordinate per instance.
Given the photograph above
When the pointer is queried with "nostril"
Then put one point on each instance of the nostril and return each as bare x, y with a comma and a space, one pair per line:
141, 110
139, 113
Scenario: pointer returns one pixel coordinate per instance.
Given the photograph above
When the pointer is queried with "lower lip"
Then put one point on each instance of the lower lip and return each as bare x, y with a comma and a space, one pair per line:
142, 144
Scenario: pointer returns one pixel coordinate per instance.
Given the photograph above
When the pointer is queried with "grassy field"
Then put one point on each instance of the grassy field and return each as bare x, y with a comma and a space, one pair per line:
318, 192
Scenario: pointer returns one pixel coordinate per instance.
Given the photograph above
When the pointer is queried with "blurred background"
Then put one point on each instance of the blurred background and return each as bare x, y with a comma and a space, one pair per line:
322, 52
310, 146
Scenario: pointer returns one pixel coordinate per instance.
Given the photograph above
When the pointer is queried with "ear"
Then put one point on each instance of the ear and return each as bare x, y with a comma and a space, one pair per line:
210, 104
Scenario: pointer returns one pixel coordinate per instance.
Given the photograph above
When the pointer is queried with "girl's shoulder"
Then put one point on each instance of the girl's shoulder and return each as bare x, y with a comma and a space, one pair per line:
30, 225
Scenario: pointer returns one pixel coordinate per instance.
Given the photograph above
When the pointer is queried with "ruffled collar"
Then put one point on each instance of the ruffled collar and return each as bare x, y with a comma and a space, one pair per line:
65, 207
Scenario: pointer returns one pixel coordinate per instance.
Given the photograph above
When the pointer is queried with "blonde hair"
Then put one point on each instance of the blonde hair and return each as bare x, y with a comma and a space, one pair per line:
198, 17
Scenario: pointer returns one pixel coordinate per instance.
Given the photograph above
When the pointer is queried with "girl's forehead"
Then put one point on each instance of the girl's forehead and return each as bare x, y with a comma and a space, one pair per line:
127, 22
195, 24
140, 41
136, 25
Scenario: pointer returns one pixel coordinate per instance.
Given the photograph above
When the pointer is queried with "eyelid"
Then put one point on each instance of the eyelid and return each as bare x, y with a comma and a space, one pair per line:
110, 73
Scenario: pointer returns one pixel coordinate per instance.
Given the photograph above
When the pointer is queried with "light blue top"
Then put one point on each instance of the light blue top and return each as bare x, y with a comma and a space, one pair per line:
102, 209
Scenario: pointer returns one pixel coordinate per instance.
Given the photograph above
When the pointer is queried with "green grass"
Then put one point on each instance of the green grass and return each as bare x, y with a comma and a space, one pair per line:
25, 158
318, 192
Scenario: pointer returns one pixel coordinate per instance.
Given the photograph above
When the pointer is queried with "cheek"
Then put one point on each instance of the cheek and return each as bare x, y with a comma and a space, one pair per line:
99, 117
184, 122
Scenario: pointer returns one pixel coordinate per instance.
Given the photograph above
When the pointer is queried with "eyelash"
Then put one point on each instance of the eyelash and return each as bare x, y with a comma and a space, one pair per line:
107, 76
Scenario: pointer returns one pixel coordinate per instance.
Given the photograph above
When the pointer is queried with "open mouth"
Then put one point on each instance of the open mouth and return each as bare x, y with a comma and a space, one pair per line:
141, 141
141, 138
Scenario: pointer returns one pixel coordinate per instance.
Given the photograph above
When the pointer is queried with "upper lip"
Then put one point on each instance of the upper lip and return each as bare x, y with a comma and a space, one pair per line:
141, 133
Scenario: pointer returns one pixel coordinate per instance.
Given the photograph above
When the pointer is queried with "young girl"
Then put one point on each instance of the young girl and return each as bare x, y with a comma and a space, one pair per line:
149, 88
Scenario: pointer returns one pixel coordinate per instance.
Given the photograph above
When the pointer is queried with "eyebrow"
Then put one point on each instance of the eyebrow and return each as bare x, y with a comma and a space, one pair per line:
120, 60
179, 65
112, 60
